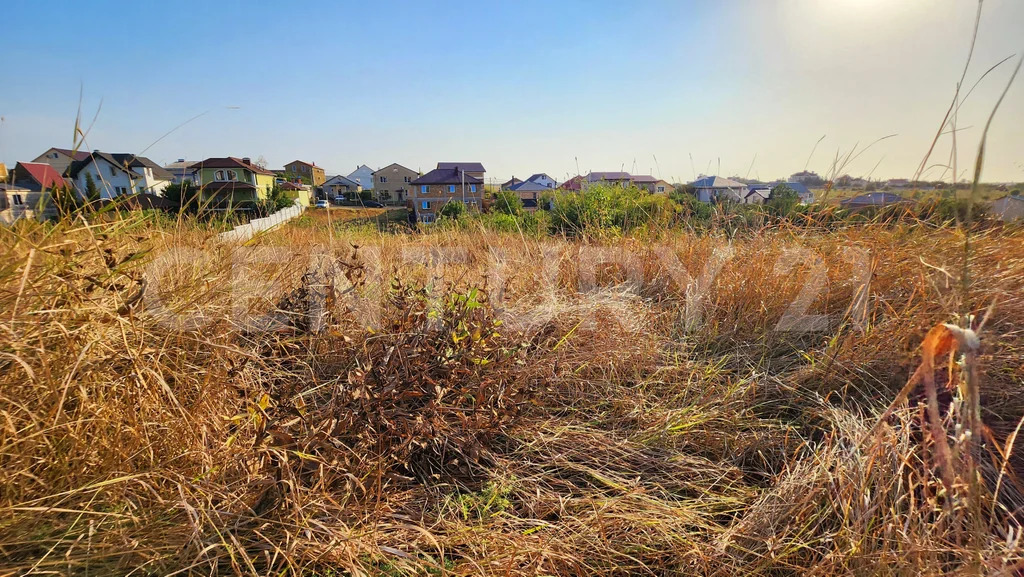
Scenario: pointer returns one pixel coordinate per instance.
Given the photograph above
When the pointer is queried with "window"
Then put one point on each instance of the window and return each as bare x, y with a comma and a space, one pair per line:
383, 179
55, 155
427, 218
425, 205
219, 175
113, 171
472, 188
407, 179
661, 189
232, 175
121, 190
18, 199
424, 189
451, 189
142, 189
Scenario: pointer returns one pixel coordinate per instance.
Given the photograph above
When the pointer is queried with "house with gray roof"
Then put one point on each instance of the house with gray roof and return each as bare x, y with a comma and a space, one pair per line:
119, 174
1009, 208
474, 169
716, 188
340, 186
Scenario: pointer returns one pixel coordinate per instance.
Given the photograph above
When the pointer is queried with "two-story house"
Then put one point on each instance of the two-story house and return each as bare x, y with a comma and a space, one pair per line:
439, 187
118, 174
392, 183
232, 183
474, 169
363, 176
309, 173
61, 158
651, 184
543, 180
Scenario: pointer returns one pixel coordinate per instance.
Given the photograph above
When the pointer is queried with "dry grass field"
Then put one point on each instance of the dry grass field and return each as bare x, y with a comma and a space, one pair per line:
467, 402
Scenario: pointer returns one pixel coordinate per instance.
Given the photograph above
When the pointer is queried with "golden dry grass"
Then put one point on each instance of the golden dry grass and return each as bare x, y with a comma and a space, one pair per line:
568, 417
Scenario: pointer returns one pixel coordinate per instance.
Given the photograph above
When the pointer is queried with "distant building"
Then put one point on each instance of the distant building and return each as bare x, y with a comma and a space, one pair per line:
392, 183
229, 183
61, 158
363, 176
308, 172
180, 170
651, 184
18, 202
573, 184
336, 186
807, 177
118, 174
617, 178
897, 183
711, 188
543, 180
529, 192
474, 169
757, 193
872, 199
38, 177
1009, 208
508, 184
439, 187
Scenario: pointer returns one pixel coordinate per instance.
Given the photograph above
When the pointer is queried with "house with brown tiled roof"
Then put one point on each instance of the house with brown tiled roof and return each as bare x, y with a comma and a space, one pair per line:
229, 183
61, 158
307, 172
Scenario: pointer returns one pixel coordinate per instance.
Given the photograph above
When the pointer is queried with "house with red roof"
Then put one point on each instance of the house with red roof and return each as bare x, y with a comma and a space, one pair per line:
38, 177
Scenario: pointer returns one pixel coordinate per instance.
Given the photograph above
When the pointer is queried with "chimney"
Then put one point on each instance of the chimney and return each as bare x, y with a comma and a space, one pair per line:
247, 161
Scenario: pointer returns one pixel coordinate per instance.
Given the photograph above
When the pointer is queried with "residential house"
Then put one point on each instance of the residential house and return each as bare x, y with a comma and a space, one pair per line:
711, 188
616, 178
3, 172
439, 187
474, 169
529, 192
118, 174
872, 199
363, 176
898, 182
1009, 208
651, 184
392, 183
340, 186
807, 177
508, 184
308, 173
574, 184
757, 193
181, 171
543, 180
806, 194
37, 177
231, 183
61, 158
17, 202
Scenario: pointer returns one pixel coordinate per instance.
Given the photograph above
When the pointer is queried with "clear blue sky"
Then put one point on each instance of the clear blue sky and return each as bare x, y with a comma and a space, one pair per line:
533, 86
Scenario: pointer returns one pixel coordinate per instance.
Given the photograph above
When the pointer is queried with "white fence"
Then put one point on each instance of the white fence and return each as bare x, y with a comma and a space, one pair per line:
244, 232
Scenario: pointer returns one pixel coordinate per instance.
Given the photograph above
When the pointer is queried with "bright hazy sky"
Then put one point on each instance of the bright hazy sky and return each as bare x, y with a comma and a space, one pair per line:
524, 87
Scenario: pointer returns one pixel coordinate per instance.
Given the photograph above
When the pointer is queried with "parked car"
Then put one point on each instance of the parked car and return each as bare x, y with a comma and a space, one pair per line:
372, 204
322, 204
339, 199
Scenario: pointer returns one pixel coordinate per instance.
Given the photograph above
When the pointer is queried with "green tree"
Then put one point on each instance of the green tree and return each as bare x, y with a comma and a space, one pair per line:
92, 192
782, 200
508, 202
184, 196
452, 209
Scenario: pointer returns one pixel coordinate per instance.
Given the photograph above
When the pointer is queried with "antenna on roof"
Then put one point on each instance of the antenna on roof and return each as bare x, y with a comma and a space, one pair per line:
751, 166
